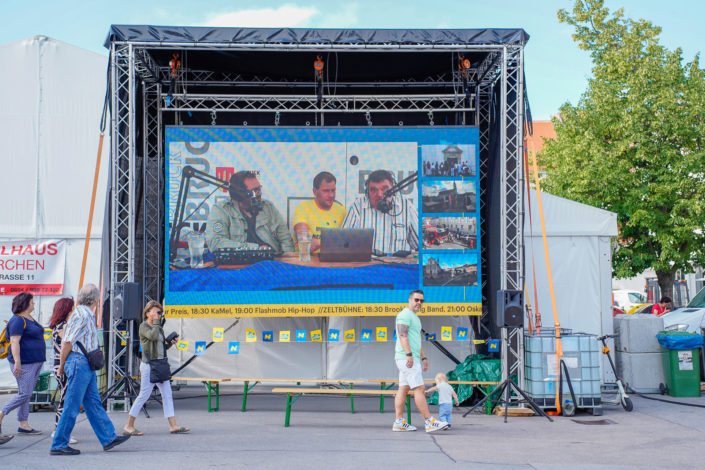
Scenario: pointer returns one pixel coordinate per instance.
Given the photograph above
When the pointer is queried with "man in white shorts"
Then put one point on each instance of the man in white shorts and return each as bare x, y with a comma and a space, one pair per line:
411, 362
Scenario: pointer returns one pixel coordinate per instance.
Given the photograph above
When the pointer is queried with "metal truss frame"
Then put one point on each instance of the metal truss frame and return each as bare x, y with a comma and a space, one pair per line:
134, 73
310, 103
122, 193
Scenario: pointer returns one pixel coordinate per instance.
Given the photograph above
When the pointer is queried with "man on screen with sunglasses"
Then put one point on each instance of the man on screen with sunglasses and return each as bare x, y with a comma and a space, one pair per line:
411, 362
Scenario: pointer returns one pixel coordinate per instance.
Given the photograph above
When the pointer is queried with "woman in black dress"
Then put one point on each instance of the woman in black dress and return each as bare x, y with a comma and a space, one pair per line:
62, 310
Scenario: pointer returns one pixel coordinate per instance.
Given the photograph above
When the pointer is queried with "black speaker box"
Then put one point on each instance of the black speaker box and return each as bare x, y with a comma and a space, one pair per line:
510, 309
127, 301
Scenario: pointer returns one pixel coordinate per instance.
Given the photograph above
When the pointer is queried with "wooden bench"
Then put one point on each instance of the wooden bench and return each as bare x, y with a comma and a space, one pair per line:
323, 391
211, 385
485, 391
247, 388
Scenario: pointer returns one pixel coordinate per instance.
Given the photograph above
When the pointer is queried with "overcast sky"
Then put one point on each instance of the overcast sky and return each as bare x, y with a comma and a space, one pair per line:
556, 69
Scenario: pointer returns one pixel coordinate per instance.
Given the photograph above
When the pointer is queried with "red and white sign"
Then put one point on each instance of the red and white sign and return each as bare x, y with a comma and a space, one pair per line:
35, 266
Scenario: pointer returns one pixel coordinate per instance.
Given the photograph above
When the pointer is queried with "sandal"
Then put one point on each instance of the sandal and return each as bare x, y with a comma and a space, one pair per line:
133, 433
181, 430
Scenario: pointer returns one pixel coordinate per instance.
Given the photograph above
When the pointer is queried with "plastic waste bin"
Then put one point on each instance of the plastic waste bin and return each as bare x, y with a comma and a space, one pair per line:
680, 354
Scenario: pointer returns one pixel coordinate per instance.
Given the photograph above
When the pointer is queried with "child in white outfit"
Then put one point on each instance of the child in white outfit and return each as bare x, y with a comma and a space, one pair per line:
446, 396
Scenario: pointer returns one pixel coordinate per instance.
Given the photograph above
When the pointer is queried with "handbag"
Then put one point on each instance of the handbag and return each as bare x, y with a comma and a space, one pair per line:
160, 371
96, 361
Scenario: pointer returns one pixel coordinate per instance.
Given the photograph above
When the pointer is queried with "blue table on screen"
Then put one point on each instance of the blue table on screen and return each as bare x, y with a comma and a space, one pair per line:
274, 275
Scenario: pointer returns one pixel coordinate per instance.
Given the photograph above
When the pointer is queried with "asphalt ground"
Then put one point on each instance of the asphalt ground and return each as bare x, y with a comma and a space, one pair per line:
324, 434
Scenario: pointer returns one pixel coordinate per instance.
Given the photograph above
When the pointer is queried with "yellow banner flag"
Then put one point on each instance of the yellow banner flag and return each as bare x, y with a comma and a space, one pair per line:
381, 333
251, 336
182, 345
218, 334
350, 335
47, 334
284, 336
446, 333
316, 335
478, 341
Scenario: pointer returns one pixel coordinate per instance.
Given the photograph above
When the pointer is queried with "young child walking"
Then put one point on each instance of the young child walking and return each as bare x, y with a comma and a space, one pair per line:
446, 396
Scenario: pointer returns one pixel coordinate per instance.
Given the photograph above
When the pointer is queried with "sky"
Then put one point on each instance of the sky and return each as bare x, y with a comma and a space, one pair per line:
556, 70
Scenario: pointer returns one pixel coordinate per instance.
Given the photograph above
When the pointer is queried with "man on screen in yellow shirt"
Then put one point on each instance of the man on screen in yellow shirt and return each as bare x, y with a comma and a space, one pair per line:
322, 212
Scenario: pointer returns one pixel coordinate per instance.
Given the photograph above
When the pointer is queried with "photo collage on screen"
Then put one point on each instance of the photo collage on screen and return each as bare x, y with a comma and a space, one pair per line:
449, 215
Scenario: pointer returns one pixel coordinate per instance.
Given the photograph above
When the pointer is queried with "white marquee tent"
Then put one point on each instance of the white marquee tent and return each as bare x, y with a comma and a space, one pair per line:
51, 99
579, 245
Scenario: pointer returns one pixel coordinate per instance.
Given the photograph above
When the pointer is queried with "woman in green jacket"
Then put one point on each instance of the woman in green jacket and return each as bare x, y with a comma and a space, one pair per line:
153, 347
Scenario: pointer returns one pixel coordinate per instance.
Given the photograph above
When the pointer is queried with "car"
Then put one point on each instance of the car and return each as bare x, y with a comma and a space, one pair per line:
690, 318
627, 299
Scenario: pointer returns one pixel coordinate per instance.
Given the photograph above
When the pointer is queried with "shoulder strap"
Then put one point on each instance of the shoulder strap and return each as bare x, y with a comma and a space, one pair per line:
83, 350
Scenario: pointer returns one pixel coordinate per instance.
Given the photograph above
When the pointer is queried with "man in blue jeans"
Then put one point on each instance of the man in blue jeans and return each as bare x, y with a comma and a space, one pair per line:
82, 388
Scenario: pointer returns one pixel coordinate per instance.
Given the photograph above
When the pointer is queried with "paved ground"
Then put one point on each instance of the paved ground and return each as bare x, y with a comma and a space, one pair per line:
323, 434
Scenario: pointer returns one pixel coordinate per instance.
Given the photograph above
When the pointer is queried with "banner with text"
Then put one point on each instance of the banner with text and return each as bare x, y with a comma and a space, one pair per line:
35, 266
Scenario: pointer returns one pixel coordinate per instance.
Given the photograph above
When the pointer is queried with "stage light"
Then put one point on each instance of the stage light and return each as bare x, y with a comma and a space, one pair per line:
318, 67
174, 65
464, 67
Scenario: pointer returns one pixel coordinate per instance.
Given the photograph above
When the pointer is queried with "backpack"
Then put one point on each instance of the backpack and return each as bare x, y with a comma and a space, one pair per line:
5, 341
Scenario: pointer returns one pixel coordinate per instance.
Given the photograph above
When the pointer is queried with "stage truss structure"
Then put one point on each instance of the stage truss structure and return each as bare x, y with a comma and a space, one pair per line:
141, 210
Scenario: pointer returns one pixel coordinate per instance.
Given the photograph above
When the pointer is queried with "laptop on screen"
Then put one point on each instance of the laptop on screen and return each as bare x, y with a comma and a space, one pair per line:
339, 245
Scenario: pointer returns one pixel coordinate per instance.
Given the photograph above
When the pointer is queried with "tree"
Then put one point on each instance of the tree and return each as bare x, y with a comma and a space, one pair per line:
634, 143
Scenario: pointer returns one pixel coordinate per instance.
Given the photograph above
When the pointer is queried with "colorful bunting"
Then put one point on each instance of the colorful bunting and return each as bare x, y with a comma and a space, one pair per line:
316, 336
300, 335
182, 345
381, 333
268, 336
284, 336
446, 333
366, 335
200, 348
234, 347
461, 334
251, 336
218, 334
350, 335
333, 335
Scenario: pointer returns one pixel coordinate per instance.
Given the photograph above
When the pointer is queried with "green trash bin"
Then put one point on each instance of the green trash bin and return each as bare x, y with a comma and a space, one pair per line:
680, 354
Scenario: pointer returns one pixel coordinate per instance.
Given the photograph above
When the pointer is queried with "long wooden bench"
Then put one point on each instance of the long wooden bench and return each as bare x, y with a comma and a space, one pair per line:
392, 382
212, 385
323, 391
256, 381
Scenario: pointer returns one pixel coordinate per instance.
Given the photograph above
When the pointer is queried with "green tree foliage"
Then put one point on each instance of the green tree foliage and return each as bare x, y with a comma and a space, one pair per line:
634, 143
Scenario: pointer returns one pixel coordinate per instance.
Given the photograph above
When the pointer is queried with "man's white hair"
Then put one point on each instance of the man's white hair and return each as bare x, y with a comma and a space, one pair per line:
88, 295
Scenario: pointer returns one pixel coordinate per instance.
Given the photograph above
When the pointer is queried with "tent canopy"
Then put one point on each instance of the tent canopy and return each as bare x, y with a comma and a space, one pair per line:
295, 36
564, 217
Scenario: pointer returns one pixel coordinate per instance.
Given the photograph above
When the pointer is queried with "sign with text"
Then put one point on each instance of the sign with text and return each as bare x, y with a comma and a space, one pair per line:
35, 266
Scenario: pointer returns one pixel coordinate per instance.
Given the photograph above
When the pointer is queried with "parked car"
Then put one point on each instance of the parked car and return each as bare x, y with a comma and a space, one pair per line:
690, 318
628, 299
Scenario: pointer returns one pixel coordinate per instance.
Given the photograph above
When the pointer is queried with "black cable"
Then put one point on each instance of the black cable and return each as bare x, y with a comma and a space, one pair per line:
631, 390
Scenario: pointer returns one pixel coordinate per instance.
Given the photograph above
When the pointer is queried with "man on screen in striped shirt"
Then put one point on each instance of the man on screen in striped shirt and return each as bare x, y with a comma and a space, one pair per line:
396, 230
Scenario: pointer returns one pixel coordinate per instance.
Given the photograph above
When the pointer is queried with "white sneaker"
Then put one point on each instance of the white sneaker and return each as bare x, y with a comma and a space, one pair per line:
433, 425
403, 427
72, 440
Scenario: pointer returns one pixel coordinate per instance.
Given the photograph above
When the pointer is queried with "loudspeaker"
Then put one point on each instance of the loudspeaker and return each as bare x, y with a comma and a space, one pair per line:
510, 309
127, 301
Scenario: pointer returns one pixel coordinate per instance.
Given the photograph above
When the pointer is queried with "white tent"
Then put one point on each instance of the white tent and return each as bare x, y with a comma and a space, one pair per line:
51, 99
579, 245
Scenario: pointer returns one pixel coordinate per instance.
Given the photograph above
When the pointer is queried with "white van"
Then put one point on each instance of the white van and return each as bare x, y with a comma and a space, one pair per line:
627, 299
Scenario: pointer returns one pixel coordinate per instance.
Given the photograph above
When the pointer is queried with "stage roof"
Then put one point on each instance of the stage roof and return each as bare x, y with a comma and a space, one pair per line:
210, 35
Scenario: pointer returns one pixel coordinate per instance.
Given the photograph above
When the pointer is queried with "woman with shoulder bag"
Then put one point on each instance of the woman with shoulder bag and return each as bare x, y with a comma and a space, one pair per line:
27, 356
153, 350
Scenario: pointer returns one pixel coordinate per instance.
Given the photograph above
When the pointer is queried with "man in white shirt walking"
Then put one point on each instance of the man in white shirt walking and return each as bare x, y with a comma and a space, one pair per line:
411, 362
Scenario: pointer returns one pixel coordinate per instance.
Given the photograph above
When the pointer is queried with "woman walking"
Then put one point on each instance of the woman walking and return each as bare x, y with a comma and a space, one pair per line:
62, 309
153, 347
27, 356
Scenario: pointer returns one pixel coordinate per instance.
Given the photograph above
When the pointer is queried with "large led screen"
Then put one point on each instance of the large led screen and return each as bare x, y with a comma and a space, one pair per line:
321, 222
